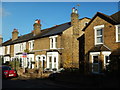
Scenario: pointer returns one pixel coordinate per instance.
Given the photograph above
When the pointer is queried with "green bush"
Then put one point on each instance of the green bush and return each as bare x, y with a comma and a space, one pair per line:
114, 65
14, 64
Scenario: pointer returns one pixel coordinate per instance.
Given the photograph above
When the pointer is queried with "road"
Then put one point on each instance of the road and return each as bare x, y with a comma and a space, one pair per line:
34, 83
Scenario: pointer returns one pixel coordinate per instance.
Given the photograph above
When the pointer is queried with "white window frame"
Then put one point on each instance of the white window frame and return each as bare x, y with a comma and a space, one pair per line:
54, 44
8, 49
31, 45
117, 32
106, 53
21, 47
95, 34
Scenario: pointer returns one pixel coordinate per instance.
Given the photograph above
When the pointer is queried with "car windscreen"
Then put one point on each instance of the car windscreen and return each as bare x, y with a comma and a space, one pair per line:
6, 68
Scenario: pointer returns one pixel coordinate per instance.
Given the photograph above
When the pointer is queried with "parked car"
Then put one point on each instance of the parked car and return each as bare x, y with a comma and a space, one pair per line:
7, 72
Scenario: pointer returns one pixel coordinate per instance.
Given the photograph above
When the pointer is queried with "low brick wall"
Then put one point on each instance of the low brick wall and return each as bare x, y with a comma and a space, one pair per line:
32, 73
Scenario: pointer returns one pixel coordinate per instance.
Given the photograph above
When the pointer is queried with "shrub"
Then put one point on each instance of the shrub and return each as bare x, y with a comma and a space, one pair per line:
14, 64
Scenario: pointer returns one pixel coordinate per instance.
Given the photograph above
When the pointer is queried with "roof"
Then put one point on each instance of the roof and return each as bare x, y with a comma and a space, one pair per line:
99, 48
113, 19
58, 29
116, 17
55, 30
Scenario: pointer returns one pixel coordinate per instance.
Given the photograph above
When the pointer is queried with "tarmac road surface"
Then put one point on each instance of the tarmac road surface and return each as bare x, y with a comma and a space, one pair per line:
33, 83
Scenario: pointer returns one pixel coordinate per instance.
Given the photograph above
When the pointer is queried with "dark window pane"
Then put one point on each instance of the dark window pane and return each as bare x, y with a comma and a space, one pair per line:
107, 59
50, 59
118, 37
95, 59
99, 32
118, 29
54, 59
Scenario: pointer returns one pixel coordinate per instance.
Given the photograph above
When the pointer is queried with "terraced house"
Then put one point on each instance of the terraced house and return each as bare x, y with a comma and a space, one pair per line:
101, 42
52, 48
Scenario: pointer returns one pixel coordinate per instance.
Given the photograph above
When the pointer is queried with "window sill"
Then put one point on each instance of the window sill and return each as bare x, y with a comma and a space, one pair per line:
98, 43
53, 48
117, 41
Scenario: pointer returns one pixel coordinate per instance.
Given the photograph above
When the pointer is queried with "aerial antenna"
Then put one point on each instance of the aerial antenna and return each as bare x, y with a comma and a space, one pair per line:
78, 6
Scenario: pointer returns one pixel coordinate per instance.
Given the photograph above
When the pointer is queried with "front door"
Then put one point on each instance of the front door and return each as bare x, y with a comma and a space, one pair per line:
95, 64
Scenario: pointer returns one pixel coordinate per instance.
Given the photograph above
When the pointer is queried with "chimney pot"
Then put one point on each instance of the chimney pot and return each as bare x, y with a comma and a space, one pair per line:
76, 11
73, 10
37, 27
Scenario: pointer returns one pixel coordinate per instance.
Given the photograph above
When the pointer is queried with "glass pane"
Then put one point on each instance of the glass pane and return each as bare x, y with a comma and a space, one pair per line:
55, 39
38, 58
118, 37
50, 65
107, 59
118, 29
43, 57
95, 68
54, 59
95, 59
50, 59
50, 62
99, 40
99, 32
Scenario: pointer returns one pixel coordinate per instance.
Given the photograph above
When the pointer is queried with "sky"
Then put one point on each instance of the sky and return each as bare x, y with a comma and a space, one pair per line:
21, 15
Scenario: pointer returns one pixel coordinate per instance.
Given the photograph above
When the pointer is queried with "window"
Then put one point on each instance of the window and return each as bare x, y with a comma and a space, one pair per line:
99, 34
54, 62
117, 33
50, 62
53, 42
95, 59
8, 49
21, 47
31, 45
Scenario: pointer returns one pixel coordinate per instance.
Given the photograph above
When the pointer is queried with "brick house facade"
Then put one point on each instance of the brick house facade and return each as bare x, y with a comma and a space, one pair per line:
101, 42
52, 48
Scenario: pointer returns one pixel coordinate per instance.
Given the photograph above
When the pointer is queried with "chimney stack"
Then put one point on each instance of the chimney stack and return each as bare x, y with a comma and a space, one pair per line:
15, 34
37, 27
75, 20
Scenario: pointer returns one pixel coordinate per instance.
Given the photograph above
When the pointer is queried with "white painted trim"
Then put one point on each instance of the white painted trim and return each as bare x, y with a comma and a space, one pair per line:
117, 32
99, 27
94, 53
31, 43
46, 49
107, 47
8, 49
105, 53
53, 36
54, 42
95, 31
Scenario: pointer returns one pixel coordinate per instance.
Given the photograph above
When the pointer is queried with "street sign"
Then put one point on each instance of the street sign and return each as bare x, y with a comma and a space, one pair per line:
24, 55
